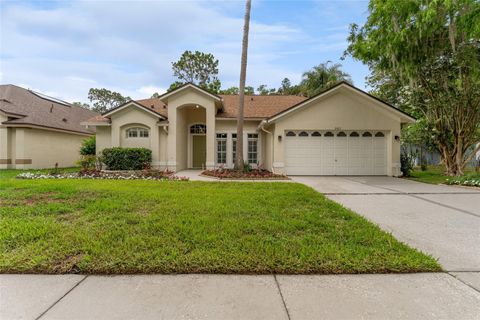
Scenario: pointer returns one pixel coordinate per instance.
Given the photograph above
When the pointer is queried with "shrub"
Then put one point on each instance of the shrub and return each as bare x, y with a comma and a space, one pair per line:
126, 158
88, 146
247, 167
406, 164
87, 162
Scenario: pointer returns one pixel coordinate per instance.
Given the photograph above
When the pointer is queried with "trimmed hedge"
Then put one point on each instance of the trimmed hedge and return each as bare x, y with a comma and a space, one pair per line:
127, 158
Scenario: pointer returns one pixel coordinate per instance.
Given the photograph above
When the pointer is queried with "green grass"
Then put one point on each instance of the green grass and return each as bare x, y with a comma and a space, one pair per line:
435, 175
118, 227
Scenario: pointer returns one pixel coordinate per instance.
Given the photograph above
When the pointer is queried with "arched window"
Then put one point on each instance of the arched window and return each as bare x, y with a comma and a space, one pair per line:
329, 134
303, 134
291, 134
379, 134
366, 134
316, 134
354, 134
198, 129
137, 133
341, 134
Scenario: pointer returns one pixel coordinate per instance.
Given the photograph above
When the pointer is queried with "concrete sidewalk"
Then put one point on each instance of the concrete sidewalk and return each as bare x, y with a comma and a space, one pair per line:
403, 296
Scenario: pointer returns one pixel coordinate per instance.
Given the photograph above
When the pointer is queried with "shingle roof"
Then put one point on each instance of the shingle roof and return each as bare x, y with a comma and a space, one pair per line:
38, 110
255, 106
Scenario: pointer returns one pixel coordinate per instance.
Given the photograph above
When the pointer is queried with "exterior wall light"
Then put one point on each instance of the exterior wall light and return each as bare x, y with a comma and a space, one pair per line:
397, 138
279, 138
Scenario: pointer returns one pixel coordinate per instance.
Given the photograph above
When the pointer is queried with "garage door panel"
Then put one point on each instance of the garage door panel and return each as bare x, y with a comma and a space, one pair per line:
328, 156
326, 152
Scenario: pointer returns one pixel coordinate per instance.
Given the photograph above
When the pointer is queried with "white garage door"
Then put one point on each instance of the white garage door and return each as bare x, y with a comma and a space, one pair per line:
324, 152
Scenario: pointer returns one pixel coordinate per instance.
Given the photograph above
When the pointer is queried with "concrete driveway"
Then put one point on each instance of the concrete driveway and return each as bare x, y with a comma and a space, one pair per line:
443, 221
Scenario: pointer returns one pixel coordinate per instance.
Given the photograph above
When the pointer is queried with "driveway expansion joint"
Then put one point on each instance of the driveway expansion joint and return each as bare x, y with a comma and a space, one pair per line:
60, 299
414, 195
465, 283
281, 296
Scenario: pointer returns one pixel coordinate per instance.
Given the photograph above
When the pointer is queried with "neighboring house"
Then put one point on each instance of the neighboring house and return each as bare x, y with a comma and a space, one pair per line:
341, 131
37, 131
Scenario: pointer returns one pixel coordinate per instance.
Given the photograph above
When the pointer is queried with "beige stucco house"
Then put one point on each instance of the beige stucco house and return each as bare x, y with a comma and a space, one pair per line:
37, 131
342, 131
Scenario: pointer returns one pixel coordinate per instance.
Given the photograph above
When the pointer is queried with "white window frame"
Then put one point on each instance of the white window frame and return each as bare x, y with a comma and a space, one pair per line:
223, 139
255, 137
139, 133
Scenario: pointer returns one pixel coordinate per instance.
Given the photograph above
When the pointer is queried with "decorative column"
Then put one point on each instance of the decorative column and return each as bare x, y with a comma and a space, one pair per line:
211, 135
171, 157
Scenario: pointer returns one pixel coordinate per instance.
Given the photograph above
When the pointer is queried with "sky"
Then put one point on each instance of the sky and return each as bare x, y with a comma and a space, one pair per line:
64, 48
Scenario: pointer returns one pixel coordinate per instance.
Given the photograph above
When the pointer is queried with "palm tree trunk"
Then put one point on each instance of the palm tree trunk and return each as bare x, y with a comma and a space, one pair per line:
241, 95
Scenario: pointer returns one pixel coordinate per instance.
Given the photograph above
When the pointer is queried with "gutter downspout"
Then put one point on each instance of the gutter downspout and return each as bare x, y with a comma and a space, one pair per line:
261, 126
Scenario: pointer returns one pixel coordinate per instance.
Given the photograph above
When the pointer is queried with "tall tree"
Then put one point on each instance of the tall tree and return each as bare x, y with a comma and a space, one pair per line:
199, 68
265, 91
104, 100
432, 49
321, 77
81, 104
241, 99
231, 90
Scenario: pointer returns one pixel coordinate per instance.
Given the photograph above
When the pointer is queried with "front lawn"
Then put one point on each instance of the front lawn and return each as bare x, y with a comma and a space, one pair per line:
435, 175
113, 227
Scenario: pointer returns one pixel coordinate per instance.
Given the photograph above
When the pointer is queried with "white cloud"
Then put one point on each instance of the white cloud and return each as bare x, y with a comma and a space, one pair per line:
147, 91
129, 46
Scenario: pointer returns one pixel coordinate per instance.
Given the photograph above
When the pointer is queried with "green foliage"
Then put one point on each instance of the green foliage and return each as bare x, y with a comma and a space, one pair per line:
88, 162
231, 90
322, 77
247, 167
88, 146
81, 104
469, 179
425, 58
126, 158
286, 88
406, 163
104, 100
175, 85
249, 90
197, 67
265, 91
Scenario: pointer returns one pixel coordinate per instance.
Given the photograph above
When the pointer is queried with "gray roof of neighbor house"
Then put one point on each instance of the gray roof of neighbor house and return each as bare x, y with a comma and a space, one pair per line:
29, 108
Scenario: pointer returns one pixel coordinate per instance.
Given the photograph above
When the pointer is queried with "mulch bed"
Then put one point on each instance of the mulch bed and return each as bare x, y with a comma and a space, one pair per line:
254, 174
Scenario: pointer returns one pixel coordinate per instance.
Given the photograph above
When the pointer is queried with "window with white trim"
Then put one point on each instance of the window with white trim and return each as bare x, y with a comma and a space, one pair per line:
198, 129
234, 147
221, 148
137, 133
252, 154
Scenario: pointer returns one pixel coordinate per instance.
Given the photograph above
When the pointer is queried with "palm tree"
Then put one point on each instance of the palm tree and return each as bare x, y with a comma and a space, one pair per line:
321, 77
241, 95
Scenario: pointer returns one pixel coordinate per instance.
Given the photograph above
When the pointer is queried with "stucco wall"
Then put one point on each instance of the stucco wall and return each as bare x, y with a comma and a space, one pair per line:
342, 110
5, 148
135, 117
103, 138
45, 148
